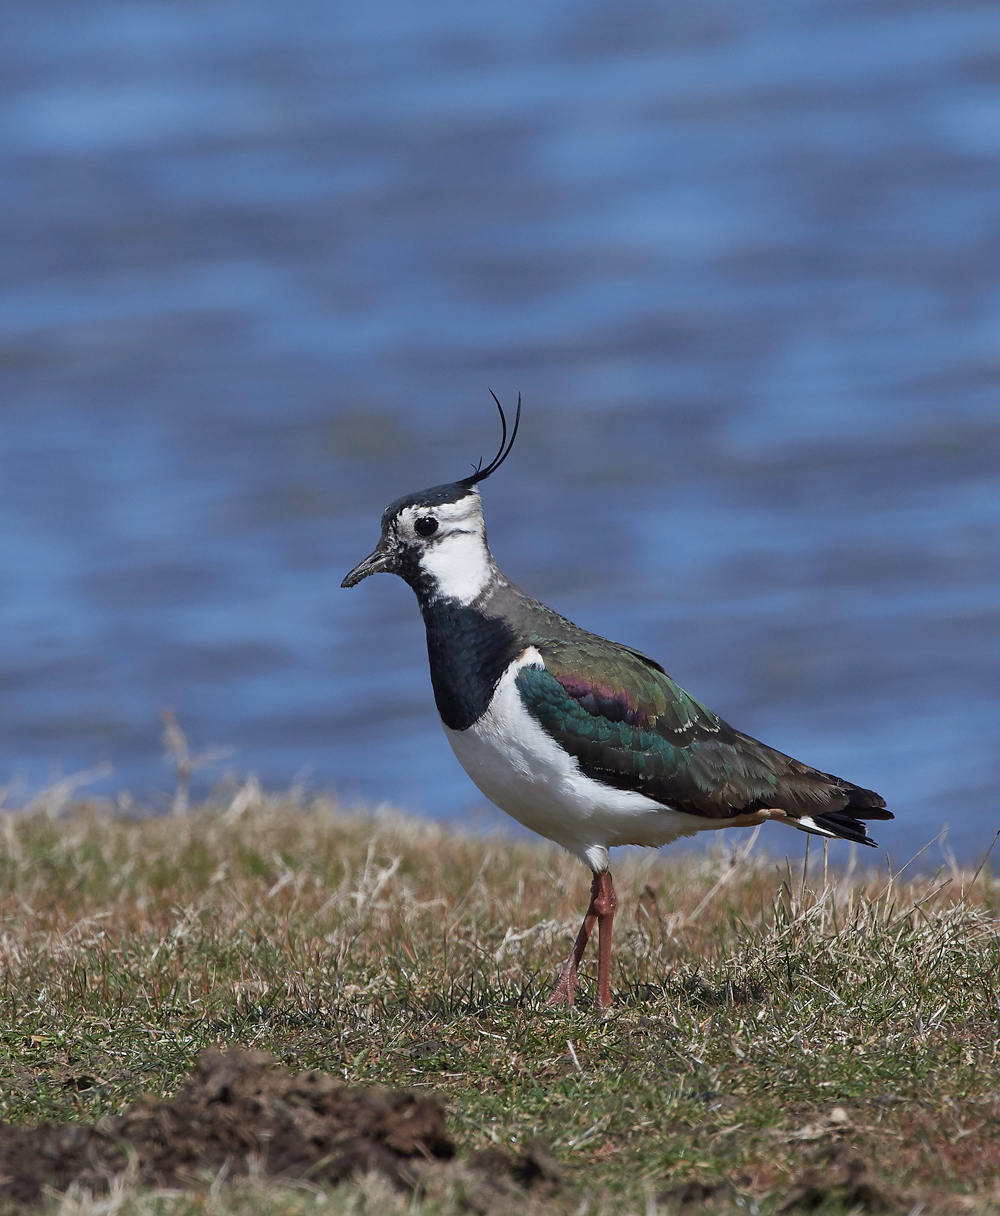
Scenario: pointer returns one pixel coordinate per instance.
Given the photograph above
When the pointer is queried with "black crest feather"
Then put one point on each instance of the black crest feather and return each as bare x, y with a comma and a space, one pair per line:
481, 474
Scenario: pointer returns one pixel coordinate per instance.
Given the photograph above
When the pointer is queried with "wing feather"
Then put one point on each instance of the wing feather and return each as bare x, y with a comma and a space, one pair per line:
631, 726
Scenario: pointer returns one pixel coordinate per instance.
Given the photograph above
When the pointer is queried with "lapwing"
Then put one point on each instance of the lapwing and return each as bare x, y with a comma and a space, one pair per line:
581, 739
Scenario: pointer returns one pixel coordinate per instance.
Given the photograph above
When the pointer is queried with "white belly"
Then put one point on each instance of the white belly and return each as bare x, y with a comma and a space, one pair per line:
527, 774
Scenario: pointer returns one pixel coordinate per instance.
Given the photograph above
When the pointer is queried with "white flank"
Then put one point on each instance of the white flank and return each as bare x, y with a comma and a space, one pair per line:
527, 774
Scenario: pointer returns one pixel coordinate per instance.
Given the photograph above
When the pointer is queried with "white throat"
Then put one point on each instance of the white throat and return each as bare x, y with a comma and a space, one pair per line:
460, 565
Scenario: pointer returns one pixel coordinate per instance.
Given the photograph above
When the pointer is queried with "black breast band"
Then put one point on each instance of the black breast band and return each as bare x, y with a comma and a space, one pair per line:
468, 654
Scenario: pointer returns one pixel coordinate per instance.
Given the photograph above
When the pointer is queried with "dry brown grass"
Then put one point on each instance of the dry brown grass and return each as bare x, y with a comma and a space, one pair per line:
774, 1040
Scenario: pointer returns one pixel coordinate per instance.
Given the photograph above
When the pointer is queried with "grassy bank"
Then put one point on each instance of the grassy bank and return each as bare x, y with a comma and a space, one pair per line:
775, 1042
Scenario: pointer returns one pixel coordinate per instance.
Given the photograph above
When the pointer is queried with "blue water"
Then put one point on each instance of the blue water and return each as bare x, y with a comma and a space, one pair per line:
260, 263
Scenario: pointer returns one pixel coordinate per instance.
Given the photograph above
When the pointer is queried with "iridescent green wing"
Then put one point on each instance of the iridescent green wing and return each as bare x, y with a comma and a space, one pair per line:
631, 726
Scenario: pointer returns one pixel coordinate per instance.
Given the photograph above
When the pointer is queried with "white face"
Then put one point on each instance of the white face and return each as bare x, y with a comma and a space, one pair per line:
450, 540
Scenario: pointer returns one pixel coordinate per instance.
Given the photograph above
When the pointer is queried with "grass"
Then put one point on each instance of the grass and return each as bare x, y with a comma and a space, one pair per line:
775, 1041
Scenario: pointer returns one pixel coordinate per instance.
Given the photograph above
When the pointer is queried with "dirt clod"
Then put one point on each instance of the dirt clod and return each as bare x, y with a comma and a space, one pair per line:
696, 1194
235, 1108
846, 1182
533, 1166
495, 1180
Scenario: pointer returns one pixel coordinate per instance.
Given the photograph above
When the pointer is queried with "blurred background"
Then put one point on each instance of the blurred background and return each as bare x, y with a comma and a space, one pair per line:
261, 263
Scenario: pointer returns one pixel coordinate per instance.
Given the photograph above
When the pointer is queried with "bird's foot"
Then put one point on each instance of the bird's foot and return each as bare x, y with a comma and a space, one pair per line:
565, 990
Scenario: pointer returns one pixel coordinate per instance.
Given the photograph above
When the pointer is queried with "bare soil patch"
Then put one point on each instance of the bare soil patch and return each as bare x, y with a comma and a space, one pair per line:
238, 1109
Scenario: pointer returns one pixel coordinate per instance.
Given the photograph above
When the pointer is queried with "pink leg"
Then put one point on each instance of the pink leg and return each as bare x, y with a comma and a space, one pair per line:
603, 902
605, 905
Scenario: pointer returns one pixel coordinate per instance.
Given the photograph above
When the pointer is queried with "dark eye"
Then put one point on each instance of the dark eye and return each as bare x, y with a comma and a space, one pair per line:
426, 526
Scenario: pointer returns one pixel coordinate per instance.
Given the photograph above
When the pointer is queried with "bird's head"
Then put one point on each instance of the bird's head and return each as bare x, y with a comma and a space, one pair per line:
436, 539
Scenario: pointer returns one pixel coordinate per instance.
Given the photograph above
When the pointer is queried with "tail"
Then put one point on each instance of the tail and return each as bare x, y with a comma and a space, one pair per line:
848, 822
